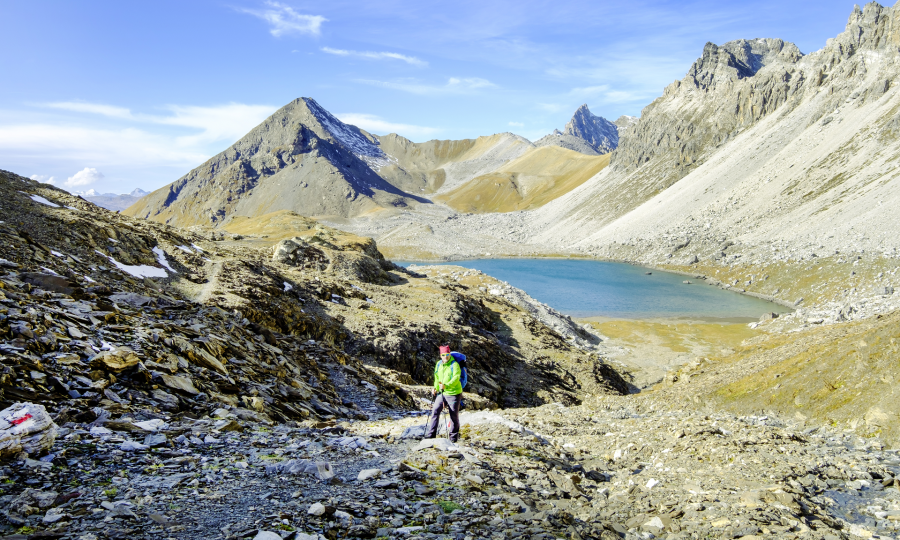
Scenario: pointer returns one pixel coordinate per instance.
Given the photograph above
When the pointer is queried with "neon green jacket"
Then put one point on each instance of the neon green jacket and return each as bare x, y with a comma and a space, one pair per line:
449, 374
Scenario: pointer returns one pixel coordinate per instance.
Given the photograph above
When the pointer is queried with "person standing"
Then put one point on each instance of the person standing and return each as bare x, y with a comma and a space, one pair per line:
448, 392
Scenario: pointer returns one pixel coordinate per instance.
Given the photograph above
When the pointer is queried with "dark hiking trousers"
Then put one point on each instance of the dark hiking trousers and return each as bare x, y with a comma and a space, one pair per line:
452, 403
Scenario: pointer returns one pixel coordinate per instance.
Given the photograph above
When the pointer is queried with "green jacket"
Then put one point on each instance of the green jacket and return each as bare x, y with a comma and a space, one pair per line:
448, 374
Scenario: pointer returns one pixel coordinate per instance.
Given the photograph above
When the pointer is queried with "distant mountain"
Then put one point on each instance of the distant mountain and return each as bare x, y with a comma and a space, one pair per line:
600, 133
624, 122
301, 159
588, 134
112, 201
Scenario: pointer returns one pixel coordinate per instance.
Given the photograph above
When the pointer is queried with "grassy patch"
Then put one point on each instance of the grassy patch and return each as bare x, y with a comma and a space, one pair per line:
681, 337
844, 374
448, 506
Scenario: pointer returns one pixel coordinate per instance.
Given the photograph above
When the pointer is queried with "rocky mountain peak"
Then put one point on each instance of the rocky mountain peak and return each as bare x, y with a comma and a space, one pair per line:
739, 59
601, 134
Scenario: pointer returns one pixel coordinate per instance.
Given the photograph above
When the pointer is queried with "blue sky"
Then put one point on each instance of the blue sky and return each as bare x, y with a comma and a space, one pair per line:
112, 95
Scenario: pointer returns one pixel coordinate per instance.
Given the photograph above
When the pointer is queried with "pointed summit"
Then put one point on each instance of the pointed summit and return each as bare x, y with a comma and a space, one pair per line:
601, 134
302, 159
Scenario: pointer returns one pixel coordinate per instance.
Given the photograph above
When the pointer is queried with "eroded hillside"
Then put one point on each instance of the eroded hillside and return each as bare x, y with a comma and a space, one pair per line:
213, 319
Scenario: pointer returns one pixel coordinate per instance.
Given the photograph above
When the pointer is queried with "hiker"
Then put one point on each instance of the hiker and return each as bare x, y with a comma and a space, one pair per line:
447, 391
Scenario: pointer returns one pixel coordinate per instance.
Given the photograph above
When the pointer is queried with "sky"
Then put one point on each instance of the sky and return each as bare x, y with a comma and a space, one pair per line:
112, 95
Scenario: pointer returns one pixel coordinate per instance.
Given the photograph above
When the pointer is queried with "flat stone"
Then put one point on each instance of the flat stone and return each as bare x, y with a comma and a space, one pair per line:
366, 474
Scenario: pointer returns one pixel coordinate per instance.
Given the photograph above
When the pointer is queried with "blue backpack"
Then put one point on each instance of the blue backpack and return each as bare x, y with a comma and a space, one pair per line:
460, 360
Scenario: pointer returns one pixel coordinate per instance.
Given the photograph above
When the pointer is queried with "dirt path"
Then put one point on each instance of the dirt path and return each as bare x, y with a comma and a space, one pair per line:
213, 268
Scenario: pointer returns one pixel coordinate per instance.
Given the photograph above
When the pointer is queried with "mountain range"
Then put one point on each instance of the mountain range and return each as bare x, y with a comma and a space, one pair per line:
760, 154
112, 201
303, 159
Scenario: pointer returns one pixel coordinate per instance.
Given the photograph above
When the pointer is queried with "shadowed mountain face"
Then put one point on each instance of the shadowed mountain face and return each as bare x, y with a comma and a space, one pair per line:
301, 159
587, 133
601, 134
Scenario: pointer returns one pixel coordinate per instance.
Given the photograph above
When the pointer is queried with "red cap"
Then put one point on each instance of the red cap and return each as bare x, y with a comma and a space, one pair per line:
445, 349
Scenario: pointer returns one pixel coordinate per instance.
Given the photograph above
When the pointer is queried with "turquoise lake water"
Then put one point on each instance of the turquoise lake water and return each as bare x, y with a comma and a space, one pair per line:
581, 288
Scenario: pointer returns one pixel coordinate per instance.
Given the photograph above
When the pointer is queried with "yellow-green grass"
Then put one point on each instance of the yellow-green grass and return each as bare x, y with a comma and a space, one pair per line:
530, 181
844, 375
700, 338
817, 281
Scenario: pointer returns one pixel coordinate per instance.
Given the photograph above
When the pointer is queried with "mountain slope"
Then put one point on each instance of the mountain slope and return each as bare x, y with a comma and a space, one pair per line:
440, 166
301, 159
530, 181
758, 145
569, 142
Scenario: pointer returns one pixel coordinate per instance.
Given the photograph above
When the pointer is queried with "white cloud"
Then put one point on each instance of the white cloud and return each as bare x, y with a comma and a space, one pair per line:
412, 60
43, 178
517, 124
376, 124
454, 85
84, 177
283, 20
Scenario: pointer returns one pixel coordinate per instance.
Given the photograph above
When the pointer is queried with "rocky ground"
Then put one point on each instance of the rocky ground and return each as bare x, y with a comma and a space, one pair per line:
207, 387
614, 467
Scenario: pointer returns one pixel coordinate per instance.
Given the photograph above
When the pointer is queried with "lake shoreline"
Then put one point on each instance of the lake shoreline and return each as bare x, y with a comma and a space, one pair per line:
695, 279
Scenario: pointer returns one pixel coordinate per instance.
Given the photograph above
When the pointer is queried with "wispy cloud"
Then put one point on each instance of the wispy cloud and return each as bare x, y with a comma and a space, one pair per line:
454, 85
376, 124
55, 143
226, 122
551, 107
92, 108
517, 124
113, 138
412, 60
283, 19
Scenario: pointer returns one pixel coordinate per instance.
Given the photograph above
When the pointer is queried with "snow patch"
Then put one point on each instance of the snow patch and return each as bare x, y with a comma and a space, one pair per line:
140, 271
287, 286
39, 199
351, 138
198, 248
185, 249
161, 257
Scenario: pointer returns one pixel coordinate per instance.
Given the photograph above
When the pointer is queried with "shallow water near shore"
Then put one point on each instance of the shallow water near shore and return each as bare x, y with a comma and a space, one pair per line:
583, 289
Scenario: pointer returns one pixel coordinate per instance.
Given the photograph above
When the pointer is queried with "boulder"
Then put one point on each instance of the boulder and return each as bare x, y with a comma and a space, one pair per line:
25, 427
48, 282
183, 384
115, 361
29, 502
